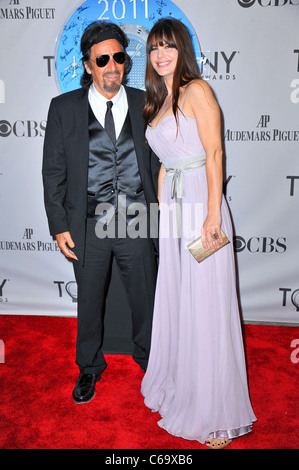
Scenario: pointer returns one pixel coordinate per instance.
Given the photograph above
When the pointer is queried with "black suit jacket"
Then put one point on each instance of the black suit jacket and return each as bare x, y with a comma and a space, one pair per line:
66, 156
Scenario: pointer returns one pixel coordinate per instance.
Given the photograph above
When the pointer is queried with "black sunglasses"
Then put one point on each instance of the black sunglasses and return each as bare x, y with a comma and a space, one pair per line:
103, 60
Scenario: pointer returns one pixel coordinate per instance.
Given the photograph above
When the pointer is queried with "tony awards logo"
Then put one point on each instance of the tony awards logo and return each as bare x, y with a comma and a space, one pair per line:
70, 287
293, 296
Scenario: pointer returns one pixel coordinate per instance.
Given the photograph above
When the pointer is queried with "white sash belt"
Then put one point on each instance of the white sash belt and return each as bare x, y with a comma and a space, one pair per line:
178, 181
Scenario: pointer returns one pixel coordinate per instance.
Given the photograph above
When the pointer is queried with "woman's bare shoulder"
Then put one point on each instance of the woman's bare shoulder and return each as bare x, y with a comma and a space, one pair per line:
200, 93
199, 86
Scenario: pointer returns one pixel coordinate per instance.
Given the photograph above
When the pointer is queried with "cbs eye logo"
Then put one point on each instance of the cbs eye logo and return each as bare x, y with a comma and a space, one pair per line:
260, 244
28, 128
276, 3
246, 3
5, 128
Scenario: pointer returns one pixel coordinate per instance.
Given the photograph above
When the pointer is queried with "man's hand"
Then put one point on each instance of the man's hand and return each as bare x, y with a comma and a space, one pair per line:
65, 242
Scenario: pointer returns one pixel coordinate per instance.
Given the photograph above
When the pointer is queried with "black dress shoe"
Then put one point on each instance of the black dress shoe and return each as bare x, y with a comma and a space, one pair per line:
84, 390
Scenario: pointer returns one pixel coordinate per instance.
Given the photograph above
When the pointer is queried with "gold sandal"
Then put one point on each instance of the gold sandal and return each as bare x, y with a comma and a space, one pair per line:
218, 443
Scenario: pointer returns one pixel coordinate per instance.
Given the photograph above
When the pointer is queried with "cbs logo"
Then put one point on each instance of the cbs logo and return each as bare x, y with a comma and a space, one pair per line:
22, 128
267, 3
260, 244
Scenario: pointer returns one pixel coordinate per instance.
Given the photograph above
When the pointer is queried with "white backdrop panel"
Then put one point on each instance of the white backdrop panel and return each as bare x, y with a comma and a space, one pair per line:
251, 60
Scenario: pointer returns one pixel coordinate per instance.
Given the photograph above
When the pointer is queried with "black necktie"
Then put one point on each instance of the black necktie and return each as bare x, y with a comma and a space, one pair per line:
109, 122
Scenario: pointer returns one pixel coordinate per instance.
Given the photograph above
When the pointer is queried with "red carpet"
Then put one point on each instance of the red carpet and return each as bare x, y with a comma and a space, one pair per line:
39, 373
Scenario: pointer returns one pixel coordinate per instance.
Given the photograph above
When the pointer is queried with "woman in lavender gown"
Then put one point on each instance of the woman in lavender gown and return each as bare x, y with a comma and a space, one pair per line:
196, 376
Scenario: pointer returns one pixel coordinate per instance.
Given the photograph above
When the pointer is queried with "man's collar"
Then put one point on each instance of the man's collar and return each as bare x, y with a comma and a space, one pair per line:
102, 98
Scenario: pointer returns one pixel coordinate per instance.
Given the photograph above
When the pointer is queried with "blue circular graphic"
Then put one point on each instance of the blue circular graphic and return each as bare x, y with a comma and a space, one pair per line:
135, 17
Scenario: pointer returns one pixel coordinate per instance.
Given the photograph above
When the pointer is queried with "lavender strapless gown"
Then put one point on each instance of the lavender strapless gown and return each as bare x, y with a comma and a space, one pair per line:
196, 377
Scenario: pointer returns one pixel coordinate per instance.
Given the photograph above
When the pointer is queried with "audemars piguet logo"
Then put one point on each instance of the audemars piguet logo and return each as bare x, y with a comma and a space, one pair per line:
262, 133
14, 11
28, 243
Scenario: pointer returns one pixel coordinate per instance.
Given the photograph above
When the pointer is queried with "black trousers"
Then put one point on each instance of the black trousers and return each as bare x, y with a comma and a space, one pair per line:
137, 263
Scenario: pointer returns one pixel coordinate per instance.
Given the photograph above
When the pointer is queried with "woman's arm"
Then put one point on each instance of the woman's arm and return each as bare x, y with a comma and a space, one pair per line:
161, 177
207, 114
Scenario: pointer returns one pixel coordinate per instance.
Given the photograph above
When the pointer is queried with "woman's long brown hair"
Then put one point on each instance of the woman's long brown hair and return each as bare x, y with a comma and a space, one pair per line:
175, 34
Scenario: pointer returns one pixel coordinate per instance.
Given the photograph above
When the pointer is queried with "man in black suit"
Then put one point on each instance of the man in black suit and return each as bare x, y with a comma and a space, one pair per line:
96, 168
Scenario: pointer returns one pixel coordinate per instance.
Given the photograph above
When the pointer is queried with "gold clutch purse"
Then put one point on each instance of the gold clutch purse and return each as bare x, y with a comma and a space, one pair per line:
197, 250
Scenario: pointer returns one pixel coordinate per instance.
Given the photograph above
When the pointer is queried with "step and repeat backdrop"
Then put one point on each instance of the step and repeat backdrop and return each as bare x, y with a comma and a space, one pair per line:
248, 51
